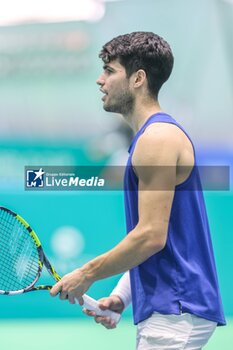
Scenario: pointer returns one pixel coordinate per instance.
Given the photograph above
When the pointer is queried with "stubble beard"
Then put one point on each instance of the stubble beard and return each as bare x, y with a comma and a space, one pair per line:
123, 103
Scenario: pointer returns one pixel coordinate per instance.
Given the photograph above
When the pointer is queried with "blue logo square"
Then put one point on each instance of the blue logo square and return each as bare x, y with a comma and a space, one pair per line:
35, 178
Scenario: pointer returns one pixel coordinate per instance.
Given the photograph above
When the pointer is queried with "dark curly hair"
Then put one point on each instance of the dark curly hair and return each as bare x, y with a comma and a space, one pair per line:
141, 50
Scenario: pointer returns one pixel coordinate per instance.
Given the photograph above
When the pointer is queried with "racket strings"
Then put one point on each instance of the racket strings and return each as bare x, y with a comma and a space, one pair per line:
14, 283
15, 272
19, 260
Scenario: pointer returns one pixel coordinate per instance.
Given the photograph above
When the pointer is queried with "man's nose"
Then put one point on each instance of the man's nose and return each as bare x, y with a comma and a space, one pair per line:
100, 80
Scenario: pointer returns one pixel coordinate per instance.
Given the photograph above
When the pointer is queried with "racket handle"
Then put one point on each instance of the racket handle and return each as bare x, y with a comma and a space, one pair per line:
92, 304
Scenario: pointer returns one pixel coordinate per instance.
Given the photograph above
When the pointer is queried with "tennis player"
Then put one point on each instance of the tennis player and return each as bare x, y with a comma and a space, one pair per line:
172, 280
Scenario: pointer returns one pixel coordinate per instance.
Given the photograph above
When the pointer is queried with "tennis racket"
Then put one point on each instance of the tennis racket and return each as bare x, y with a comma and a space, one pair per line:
22, 259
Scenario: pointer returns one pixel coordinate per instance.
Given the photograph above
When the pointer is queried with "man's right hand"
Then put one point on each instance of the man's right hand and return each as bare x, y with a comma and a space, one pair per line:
113, 303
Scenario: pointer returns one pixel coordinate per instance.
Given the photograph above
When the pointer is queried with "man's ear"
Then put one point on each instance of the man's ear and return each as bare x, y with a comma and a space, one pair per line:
139, 78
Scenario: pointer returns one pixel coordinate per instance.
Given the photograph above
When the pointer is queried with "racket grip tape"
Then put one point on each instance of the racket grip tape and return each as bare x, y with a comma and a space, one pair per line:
92, 304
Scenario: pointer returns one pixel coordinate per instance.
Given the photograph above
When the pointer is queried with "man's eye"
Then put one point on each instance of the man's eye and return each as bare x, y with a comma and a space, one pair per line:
109, 71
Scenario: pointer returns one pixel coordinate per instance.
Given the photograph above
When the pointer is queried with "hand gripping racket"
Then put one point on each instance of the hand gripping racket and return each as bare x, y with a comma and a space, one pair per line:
22, 259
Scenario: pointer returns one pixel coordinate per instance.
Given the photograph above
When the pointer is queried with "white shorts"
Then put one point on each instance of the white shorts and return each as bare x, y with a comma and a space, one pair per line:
176, 332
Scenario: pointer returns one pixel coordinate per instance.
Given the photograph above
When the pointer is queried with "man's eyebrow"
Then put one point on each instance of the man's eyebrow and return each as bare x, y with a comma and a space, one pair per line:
105, 66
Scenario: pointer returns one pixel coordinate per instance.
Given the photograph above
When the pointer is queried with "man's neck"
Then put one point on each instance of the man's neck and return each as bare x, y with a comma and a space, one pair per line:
141, 113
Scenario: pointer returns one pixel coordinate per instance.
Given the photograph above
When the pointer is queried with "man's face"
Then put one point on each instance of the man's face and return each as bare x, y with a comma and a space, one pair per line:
116, 88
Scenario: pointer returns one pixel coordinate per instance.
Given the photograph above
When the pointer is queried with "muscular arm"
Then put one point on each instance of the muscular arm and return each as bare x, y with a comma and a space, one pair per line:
155, 150
154, 161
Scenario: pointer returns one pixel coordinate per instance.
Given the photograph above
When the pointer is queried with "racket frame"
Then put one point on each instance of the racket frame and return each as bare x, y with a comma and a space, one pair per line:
89, 302
42, 261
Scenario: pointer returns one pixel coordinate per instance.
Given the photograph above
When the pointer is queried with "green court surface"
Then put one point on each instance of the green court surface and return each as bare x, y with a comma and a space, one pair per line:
74, 334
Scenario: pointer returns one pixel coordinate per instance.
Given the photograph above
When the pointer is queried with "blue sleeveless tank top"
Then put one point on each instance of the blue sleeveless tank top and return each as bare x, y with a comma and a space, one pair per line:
181, 277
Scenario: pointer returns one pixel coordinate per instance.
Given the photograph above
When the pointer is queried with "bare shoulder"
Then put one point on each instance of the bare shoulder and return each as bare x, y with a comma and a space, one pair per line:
160, 143
165, 131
